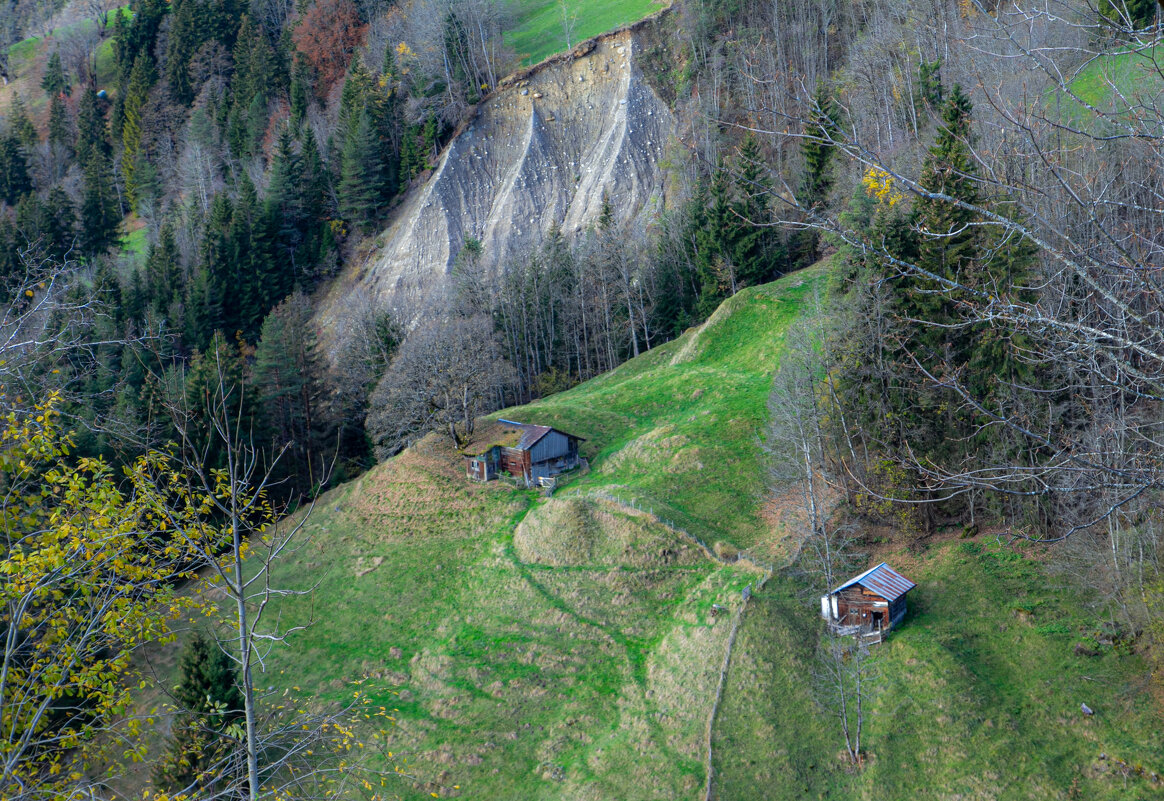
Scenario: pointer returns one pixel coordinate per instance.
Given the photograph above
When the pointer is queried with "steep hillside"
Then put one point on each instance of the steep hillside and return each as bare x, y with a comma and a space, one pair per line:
568, 648
544, 150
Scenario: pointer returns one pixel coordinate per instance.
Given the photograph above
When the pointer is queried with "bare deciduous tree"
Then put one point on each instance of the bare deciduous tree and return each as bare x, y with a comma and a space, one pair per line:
445, 374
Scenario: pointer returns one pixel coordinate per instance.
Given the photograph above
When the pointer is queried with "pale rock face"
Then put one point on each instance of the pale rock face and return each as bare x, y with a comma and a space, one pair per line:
540, 152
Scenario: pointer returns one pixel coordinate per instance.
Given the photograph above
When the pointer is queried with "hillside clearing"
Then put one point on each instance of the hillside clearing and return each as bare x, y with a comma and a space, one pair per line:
570, 648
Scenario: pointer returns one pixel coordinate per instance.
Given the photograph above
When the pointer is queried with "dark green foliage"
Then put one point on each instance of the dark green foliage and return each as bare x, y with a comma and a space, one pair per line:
14, 178
163, 272
290, 380
48, 223
208, 700
929, 85
100, 215
818, 148
361, 177
753, 247
20, 125
1137, 14
54, 81
92, 137
136, 94
945, 254
60, 133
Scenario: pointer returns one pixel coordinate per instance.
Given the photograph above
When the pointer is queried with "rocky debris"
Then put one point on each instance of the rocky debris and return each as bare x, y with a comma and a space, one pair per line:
509, 175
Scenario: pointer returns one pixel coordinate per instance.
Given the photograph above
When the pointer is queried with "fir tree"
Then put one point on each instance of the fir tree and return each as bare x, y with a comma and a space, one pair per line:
100, 215
54, 81
360, 175
137, 93
14, 178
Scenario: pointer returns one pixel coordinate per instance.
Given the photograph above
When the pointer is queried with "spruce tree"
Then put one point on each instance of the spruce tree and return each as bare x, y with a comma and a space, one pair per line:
818, 149
92, 138
753, 249
183, 40
209, 700
21, 126
360, 176
140, 80
100, 215
162, 271
60, 133
14, 178
58, 223
54, 81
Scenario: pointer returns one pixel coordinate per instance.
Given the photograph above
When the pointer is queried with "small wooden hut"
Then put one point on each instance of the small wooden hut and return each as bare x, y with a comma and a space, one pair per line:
869, 605
526, 452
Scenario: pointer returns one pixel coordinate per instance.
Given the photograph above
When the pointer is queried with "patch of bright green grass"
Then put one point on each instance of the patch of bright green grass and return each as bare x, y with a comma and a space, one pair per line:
677, 429
135, 241
1112, 82
979, 697
539, 31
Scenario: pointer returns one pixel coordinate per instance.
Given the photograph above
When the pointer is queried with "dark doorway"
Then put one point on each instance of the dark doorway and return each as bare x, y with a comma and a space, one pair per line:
878, 617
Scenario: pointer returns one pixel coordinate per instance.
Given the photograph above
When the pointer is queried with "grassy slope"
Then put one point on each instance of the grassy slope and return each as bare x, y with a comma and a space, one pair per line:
560, 649
539, 33
27, 58
566, 648
1137, 77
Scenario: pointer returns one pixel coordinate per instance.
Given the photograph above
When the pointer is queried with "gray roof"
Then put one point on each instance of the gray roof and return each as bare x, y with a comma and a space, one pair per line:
883, 580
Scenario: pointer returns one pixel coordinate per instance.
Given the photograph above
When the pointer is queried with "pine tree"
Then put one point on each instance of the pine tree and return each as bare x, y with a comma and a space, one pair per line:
140, 80
100, 216
360, 175
14, 178
54, 81
58, 223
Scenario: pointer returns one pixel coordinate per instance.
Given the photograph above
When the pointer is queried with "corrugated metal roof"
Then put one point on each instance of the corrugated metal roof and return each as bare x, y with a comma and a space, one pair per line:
883, 580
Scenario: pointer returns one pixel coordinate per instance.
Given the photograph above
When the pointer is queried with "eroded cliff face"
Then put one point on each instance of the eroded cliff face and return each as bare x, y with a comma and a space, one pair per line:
541, 151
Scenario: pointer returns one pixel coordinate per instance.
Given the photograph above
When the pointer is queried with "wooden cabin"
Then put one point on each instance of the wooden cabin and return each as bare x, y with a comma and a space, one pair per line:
869, 605
526, 452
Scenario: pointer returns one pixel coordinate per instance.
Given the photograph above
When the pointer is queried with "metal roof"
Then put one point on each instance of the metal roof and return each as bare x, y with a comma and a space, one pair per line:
883, 580
532, 434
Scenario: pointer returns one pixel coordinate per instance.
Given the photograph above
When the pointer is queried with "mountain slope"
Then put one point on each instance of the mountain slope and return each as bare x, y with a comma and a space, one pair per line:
544, 150
568, 648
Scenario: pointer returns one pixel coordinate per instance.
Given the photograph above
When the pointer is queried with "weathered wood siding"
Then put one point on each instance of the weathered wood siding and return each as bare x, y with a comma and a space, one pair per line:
856, 605
554, 445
